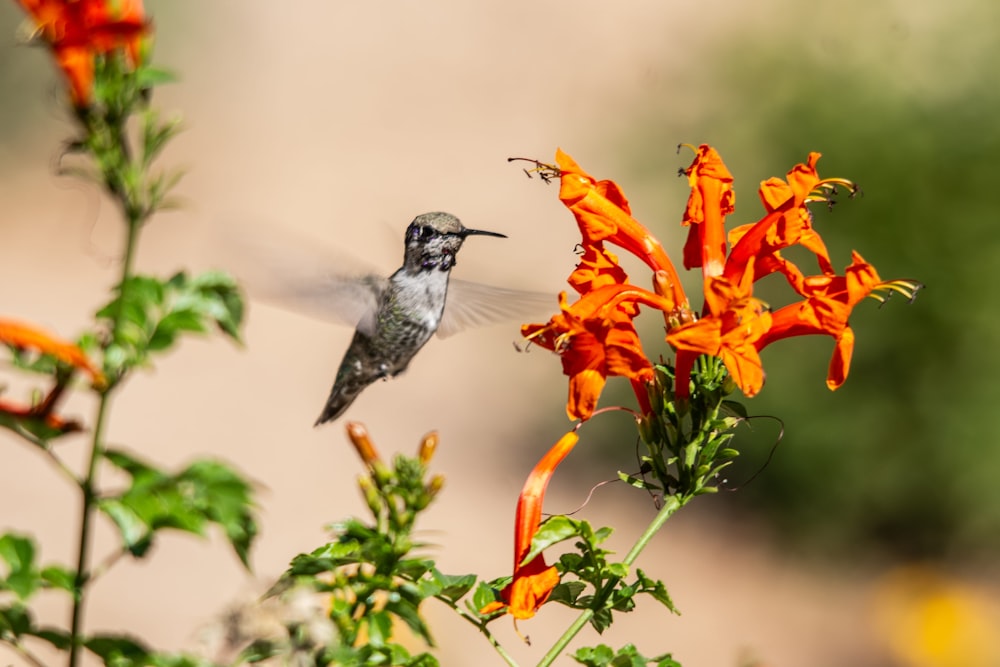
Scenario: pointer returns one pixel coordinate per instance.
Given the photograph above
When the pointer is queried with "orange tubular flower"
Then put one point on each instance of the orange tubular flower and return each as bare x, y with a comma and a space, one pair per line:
788, 223
595, 338
712, 199
828, 304
24, 336
603, 214
79, 30
534, 580
734, 323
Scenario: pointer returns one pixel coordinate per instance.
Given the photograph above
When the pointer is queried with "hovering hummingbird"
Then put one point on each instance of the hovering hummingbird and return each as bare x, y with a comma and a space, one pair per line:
399, 314
393, 317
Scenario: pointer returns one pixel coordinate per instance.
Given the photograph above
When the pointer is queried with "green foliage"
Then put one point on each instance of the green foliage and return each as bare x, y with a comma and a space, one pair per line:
146, 316
205, 492
152, 313
597, 584
627, 656
124, 651
371, 576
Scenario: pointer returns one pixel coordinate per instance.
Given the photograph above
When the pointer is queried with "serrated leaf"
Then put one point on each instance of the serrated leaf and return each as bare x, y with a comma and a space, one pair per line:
567, 592
657, 589
601, 620
204, 492
553, 530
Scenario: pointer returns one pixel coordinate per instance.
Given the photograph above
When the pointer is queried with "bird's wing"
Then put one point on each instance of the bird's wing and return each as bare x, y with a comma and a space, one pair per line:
300, 275
472, 304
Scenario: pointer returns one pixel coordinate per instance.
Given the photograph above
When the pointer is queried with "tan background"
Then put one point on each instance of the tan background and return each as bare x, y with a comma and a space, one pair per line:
342, 121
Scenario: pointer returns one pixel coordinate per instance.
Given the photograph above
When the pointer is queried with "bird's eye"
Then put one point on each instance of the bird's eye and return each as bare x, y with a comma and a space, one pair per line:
426, 232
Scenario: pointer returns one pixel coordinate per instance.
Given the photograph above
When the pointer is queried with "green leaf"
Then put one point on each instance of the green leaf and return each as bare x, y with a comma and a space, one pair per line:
567, 592
423, 660
619, 570
18, 552
15, 620
204, 492
148, 76
657, 589
55, 636
154, 313
118, 650
453, 587
260, 650
553, 530
409, 612
485, 593
60, 577
133, 530
379, 628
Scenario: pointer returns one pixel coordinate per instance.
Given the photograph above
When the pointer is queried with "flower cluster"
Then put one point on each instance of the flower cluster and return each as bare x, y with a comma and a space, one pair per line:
80, 31
595, 336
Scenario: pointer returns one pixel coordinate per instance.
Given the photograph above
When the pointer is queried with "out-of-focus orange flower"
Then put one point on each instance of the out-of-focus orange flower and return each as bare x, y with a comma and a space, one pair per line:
41, 412
595, 338
25, 336
533, 581
79, 30
735, 321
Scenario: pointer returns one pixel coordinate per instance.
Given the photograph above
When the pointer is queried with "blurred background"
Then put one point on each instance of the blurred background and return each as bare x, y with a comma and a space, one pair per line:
871, 536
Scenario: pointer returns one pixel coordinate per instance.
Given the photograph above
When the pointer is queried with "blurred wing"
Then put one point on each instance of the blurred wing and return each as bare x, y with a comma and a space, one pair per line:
472, 304
300, 275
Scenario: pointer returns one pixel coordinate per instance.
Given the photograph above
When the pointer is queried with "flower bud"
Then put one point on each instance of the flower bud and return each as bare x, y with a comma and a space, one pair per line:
435, 485
358, 435
427, 447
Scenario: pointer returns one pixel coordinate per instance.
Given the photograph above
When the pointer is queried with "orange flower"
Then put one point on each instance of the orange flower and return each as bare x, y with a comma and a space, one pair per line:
25, 336
533, 581
734, 322
792, 224
826, 308
79, 30
712, 199
42, 411
603, 214
595, 338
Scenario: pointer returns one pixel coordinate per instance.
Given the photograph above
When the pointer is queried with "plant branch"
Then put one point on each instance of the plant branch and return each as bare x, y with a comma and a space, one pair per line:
673, 504
88, 486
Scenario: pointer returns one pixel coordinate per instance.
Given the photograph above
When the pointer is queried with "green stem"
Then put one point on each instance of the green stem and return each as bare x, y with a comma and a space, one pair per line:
673, 504
88, 485
481, 626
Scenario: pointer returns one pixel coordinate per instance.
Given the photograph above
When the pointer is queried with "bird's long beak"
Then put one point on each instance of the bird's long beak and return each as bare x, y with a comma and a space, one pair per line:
481, 232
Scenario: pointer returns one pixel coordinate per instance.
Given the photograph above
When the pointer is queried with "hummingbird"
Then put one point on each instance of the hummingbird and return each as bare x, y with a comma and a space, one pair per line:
399, 314
393, 317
